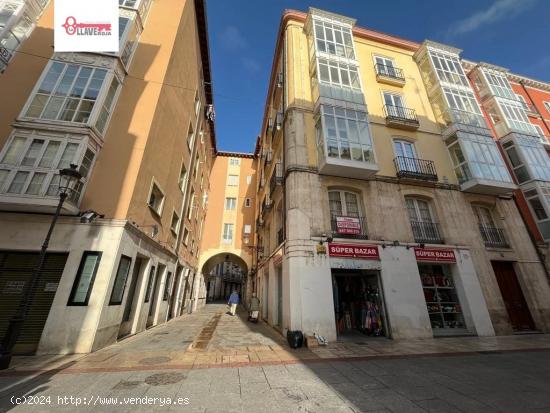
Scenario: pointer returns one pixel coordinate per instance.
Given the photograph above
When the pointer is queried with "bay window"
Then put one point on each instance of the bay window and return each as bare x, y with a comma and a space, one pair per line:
334, 39
515, 117
499, 85
345, 133
477, 157
448, 68
538, 199
30, 165
528, 158
338, 74
69, 92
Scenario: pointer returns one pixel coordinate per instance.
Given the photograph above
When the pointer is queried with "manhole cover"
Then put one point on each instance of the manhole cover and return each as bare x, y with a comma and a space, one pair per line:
161, 379
155, 360
124, 385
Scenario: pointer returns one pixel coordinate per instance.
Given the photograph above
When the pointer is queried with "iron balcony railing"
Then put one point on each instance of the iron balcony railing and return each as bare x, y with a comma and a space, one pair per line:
415, 168
389, 71
426, 232
400, 114
276, 177
346, 226
493, 237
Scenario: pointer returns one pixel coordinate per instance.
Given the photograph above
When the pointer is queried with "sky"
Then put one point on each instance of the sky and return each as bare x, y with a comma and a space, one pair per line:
510, 33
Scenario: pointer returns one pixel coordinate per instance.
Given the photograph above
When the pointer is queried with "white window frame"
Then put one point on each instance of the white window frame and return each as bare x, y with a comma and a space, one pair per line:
183, 177
234, 161
230, 180
452, 74
228, 232
345, 31
351, 70
160, 208
546, 106
191, 136
177, 227
230, 203
344, 203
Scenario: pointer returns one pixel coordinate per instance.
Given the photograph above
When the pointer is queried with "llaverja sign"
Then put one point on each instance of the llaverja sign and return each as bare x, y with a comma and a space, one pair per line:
86, 26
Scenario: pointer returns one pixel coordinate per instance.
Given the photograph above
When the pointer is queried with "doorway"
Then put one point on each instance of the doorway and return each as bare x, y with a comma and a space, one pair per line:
266, 296
154, 298
173, 295
279, 297
130, 307
359, 304
516, 306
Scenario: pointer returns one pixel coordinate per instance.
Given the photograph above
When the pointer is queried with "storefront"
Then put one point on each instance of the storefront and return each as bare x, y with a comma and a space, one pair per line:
442, 299
359, 308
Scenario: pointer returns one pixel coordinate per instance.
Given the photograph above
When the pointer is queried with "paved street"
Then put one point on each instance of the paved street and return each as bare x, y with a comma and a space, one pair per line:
212, 362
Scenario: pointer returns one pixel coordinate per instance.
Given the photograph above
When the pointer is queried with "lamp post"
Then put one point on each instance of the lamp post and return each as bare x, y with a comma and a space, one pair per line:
68, 178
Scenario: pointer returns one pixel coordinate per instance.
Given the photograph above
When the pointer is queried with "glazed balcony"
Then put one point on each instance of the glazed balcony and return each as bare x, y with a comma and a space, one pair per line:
348, 227
389, 74
493, 237
426, 232
401, 117
414, 168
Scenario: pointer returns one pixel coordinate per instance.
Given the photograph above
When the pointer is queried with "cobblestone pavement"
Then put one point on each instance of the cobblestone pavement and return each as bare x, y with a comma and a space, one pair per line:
225, 364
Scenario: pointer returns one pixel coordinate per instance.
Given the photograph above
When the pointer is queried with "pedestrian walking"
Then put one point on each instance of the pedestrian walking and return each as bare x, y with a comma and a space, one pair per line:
233, 301
254, 308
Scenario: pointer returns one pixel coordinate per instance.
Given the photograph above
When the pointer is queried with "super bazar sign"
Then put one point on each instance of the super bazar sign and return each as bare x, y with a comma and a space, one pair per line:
369, 252
434, 254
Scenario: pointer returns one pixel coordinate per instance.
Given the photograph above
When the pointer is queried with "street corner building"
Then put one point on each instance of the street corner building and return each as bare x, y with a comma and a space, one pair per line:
139, 128
402, 191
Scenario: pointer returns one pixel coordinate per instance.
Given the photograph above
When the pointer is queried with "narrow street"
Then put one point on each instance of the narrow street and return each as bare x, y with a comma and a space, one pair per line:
210, 361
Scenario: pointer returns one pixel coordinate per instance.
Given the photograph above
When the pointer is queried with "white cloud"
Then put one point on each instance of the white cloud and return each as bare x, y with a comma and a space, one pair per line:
499, 10
232, 39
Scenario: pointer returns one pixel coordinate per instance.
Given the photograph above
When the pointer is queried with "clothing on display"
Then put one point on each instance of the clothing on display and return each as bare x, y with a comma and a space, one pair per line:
358, 305
441, 298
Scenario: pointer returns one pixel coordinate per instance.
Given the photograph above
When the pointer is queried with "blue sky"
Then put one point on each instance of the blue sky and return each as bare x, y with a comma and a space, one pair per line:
510, 33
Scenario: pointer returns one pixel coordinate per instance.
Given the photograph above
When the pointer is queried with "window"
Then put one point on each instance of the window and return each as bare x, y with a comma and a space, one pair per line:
394, 105
85, 276
515, 117
227, 233
183, 177
230, 204
234, 161
406, 156
248, 179
528, 158
477, 157
12, 154
346, 133
190, 136
460, 100
338, 74
424, 227
191, 205
499, 85
247, 202
540, 132
107, 107
334, 39
156, 199
128, 3
448, 68
233, 180
196, 170
197, 104
185, 236
248, 229
546, 106
386, 67
484, 216
343, 204
150, 282
120, 280
167, 287
3, 178
17, 20
175, 224
68, 92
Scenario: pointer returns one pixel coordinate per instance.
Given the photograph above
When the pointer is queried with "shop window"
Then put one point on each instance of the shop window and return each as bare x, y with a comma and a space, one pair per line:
150, 282
442, 300
84, 281
117, 294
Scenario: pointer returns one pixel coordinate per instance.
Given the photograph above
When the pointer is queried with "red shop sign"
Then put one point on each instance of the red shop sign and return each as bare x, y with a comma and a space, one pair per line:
348, 225
434, 254
367, 252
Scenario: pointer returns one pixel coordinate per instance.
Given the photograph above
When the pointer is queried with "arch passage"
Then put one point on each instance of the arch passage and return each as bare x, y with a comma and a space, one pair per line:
224, 273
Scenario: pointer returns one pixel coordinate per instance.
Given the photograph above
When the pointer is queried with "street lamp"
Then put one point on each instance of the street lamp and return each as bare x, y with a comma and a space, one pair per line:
68, 179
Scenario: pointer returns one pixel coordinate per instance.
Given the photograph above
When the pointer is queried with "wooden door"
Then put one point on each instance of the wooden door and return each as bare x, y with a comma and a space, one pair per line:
519, 314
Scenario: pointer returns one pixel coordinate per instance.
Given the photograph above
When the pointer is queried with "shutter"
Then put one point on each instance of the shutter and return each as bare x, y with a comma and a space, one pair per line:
16, 270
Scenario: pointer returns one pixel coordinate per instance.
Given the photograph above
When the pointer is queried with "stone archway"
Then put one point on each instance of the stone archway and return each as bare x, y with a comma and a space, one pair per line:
223, 273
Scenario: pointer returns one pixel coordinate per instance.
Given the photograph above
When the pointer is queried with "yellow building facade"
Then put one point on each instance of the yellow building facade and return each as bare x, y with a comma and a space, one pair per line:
374, 218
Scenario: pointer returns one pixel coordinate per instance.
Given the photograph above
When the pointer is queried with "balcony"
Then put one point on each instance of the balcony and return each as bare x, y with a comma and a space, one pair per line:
389, 74
277, 126
348, 227
426, 232
493, 237
277, 178
400, 117
414, 168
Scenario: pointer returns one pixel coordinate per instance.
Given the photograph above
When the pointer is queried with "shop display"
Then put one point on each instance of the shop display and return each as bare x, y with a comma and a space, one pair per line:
441, 298
358, 305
